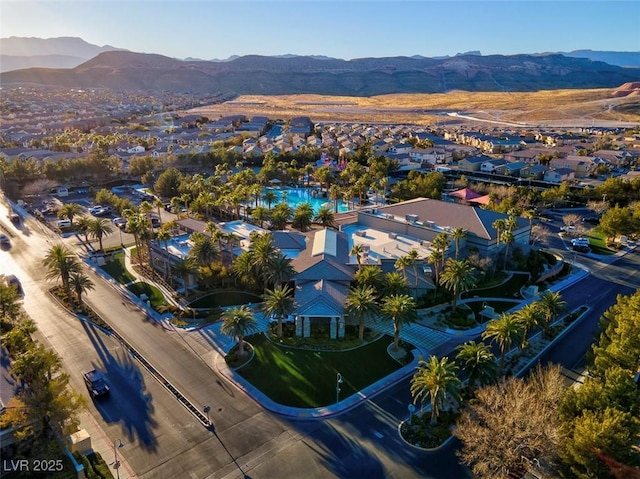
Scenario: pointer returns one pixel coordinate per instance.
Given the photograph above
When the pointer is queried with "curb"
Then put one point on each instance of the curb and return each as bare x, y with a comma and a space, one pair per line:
324, 412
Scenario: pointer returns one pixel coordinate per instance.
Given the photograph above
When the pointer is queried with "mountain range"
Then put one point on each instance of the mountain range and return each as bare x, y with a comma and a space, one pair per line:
61, 52
118, 69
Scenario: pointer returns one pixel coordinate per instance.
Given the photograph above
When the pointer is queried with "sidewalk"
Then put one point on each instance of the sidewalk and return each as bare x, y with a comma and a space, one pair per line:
109, 450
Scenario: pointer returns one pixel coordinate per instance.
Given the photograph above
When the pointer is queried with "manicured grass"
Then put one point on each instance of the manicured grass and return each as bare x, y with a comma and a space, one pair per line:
307, 379
504, 290
153, 294
225, 298
117, 269
598, 242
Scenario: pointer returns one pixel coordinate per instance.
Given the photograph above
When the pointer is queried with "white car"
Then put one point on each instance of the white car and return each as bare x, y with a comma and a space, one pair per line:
120, 222
567, 228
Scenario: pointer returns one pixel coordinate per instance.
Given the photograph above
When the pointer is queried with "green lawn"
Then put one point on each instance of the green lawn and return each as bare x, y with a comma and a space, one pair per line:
117, 270
504, 290
598, 242
305, 378
154, 294
225, 298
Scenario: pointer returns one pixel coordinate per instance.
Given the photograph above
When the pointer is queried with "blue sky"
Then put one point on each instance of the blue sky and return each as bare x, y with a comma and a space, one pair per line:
342, 29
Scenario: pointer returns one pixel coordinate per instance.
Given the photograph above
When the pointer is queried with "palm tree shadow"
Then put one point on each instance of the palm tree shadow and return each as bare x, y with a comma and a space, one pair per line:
129, 402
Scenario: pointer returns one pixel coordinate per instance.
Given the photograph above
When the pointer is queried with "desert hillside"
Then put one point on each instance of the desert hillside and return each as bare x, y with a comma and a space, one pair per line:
606, 107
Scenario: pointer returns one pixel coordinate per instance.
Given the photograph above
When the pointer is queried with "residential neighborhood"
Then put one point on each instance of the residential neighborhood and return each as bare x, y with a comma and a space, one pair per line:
250, 281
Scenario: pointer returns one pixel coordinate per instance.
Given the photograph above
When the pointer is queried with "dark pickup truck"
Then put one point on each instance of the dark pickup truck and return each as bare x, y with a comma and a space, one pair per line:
96, 384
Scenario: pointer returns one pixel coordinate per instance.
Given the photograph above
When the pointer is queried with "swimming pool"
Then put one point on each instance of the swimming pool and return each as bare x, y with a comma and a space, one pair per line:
295, 196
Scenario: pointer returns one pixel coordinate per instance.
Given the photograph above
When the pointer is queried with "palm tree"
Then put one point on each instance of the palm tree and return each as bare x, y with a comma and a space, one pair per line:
302, 217
361, 303
83, 225
401, 309
478, 362
280, 216
279, 270
262, 252
457, 277
204, 250
458, 234
182, 268
269, 197
435, 258
334, 195
99, 228
69, 211
135, 225
441, 243
507, 238
325, 217
530, 317
259, 214
159, 205
551, 305
370, 275
244, 270
436, 379
279, 302
413, 257
9, 300
164, 236
357, 250
80, 283
500, 225
394, 283
60, 263
402, 263
505, 331
237, 323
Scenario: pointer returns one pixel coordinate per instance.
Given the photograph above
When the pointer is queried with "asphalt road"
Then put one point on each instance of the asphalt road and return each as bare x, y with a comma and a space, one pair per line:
164, 440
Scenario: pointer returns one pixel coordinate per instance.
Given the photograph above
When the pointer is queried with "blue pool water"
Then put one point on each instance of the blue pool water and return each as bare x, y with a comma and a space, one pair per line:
295, 196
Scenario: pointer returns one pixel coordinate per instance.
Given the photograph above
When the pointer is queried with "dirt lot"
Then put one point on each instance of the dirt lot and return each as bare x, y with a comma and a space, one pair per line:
561, 108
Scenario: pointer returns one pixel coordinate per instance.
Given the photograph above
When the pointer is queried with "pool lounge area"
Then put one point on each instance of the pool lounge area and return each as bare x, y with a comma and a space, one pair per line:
295, 196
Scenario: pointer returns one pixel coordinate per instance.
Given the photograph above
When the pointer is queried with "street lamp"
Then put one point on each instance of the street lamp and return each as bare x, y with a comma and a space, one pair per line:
206, 410
339, 381
116, 464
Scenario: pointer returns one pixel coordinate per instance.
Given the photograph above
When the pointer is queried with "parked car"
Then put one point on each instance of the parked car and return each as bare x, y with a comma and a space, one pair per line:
120, 222
4, 240
100, 210
96, 384
15, 218
593, 220
580, 242
62, 224
567, 228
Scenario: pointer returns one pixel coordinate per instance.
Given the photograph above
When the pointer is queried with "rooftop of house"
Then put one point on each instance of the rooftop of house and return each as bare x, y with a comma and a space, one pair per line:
444, 215
379, 245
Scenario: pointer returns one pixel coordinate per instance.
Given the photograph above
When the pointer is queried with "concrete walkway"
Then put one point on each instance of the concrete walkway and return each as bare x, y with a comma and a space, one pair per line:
108, 450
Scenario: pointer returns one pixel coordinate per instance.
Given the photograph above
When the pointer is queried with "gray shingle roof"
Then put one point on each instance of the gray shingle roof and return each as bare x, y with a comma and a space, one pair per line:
322, 298
476, 221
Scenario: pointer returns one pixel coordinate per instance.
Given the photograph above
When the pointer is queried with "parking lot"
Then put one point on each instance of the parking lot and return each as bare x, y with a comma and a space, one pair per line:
46, 210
